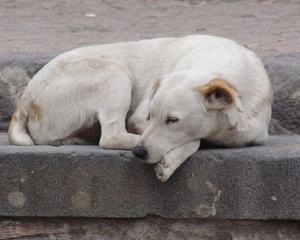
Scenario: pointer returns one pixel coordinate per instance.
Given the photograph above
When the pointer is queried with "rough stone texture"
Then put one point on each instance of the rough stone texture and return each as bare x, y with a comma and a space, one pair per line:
150, 228
259, 182
6, 106
284, 71
15, 72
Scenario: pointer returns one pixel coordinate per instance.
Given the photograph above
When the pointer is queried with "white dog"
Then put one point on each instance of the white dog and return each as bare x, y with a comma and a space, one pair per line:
174, 92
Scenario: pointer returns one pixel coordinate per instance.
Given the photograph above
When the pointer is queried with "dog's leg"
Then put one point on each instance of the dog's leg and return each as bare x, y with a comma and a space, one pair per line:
112, 114
115, 136
174, 159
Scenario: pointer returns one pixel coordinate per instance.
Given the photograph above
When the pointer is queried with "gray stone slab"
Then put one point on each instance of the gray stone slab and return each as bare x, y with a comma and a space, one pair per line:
15, 73
260, 182
284, 72
149, 228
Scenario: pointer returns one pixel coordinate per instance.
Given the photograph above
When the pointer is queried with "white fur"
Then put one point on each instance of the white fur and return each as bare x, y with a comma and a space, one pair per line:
106, 83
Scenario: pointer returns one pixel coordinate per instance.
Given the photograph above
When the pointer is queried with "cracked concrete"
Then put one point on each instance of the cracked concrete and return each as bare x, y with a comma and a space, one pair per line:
209, 210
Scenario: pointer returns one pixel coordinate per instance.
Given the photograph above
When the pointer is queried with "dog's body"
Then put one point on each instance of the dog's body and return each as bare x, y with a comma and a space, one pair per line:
109, 83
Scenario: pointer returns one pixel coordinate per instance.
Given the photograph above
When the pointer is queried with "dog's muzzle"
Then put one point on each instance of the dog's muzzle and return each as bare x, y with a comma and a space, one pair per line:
140, 152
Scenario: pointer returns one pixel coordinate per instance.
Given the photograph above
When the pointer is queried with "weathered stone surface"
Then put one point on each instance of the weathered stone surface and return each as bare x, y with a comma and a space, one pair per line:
150, 228
284, 71
260, 182
15, 72
6, 105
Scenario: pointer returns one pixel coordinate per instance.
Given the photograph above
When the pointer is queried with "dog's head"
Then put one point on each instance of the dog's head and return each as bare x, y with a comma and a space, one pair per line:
182, 110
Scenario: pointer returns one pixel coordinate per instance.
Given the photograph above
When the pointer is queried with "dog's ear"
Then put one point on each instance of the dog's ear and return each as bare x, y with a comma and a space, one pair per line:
218, 94
155, 87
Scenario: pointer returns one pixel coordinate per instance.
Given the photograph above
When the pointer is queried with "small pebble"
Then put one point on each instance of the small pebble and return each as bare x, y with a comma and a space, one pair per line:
91, 15
274, 198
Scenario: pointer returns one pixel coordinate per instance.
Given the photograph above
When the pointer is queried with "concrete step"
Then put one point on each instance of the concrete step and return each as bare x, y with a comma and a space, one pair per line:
259, 182
150, 228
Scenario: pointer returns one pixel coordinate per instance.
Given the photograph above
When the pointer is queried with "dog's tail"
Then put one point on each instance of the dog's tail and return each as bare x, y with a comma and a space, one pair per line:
17, 132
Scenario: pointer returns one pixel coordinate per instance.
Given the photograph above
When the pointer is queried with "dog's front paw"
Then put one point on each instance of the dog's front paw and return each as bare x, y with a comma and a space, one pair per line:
163, 171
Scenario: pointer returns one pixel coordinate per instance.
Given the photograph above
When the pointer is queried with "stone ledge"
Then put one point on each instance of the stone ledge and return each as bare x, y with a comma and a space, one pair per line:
260, 182
150, 228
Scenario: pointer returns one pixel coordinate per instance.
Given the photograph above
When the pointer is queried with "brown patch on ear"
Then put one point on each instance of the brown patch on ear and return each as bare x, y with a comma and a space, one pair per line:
219, 88
35, 111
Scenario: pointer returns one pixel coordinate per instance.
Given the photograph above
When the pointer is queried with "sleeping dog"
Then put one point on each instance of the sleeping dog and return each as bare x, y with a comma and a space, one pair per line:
158, 97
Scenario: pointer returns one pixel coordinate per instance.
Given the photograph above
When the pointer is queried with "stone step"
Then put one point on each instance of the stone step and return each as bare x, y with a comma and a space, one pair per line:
150, 228
259, 182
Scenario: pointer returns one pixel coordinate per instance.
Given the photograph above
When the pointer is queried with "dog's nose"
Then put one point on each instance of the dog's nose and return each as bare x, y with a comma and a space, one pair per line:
140, 152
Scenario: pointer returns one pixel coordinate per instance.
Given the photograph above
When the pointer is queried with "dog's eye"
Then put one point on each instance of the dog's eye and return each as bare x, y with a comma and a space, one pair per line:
171, 120
148, 117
